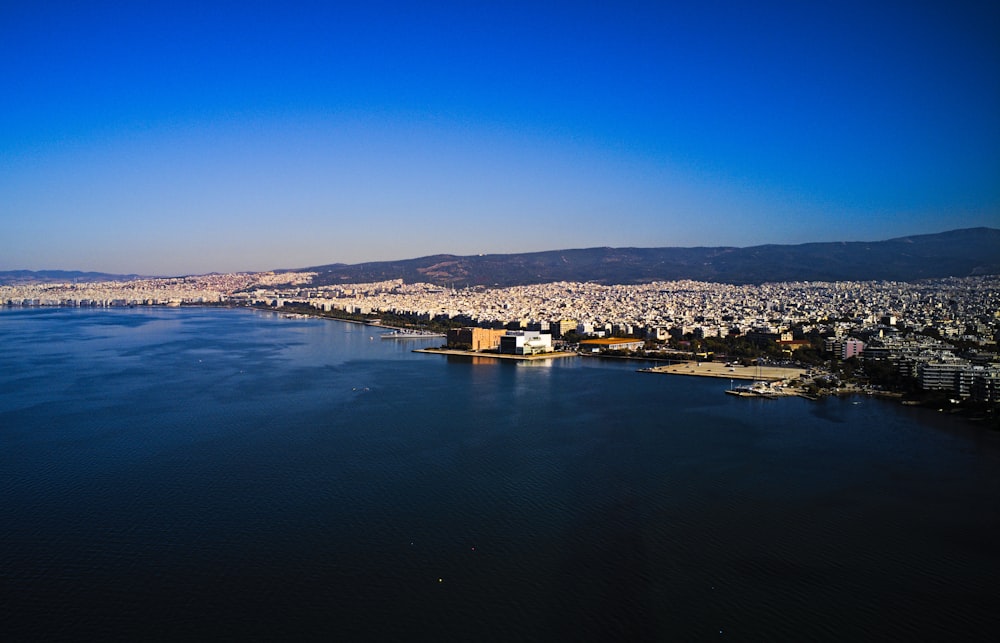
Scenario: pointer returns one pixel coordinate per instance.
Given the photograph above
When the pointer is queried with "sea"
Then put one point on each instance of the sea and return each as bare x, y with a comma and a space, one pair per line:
231, 474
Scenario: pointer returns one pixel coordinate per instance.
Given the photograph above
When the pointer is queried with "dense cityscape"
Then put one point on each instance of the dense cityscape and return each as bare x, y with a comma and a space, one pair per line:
937, 337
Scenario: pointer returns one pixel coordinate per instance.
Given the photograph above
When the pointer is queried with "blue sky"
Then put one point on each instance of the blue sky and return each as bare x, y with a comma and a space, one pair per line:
177, 139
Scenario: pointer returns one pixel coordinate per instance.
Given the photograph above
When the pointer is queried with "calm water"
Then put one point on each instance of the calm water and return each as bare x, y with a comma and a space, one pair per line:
234, 475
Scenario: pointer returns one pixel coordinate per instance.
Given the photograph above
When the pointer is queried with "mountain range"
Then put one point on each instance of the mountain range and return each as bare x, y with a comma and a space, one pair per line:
957, 253
14, 277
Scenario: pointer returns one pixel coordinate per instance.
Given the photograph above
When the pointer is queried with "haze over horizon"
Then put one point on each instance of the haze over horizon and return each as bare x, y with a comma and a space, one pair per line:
169, 139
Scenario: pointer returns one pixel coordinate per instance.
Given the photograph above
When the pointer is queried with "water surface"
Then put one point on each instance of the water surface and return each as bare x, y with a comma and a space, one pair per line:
230, 474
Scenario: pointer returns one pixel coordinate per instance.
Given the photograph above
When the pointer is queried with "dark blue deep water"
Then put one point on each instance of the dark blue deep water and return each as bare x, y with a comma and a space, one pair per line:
234, 475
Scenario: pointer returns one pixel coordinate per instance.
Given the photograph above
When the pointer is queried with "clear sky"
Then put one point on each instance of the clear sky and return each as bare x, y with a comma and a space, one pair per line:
165, 138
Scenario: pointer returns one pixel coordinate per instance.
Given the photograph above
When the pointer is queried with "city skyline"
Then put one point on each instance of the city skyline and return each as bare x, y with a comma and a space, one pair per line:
169, 140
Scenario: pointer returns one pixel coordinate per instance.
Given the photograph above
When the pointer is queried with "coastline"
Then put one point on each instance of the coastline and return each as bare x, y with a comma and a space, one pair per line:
690, 368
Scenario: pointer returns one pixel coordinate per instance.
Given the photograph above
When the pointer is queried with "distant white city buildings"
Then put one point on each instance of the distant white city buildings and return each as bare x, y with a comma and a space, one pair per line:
860, 318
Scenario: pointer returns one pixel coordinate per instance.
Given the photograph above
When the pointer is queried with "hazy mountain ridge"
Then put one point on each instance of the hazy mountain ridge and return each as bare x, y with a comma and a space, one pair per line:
957, 253
13, 277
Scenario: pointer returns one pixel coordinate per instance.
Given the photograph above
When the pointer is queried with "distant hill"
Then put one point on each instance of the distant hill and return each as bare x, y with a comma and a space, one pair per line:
58, 276
958, 253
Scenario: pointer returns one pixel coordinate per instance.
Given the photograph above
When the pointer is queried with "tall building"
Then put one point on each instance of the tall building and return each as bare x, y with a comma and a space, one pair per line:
845, 348
561, 327
851, 348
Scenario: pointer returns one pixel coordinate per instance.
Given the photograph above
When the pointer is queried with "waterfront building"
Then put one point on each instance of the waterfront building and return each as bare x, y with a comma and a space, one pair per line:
525, 342
473, 338
941, 375
986, 387
612, 344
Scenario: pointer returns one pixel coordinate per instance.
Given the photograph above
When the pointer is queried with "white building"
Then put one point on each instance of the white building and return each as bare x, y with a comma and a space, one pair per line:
525, 342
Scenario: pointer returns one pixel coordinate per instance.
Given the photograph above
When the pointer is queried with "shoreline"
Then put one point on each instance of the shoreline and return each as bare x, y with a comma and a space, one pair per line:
689, 368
